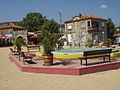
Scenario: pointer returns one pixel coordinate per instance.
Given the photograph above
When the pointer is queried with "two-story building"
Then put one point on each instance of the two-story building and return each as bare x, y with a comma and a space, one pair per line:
10, 28
83, 27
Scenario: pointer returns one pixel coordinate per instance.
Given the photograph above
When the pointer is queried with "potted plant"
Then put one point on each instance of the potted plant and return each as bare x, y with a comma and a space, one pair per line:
18, 43
48, 39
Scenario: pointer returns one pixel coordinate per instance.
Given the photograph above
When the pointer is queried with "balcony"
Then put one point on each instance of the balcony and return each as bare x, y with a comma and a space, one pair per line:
95, 29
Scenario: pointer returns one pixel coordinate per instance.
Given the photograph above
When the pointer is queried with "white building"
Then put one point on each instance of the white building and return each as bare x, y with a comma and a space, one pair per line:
81, 27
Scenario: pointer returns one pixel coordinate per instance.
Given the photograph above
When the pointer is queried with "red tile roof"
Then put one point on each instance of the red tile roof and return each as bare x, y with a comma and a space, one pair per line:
91, 16
116, 35
11, 26
85, 17
69, 21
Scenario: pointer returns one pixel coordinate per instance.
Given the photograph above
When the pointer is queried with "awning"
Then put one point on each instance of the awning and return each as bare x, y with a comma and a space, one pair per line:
2, 35
5, 37
116, 35
34, 36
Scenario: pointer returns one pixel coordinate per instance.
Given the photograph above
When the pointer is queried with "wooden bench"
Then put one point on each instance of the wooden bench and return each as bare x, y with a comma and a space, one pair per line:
104, 44
95, 54
14, 52
33, 47
25, 57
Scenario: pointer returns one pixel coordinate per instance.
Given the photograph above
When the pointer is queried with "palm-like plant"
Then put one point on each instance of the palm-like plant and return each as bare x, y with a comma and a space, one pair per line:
48, 40
18, 43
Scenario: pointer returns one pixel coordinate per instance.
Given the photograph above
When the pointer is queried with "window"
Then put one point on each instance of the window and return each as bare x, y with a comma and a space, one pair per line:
103, 24
96, 37
97, 24
88, 23
69, 26
82, 24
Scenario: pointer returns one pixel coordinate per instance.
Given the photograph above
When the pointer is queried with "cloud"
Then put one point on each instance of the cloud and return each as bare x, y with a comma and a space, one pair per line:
103, 6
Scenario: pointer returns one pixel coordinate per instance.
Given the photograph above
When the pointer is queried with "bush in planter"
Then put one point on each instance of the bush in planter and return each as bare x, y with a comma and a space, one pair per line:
48, 38
18, 43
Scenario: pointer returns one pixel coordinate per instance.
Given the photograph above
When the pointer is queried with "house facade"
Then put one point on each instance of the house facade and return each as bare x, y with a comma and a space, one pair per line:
9, 28
83, 27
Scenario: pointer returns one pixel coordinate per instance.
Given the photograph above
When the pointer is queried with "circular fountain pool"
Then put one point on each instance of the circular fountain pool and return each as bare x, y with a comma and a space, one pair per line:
73, 52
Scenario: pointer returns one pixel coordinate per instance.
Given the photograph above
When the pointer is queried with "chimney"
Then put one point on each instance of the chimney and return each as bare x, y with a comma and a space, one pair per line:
80, 14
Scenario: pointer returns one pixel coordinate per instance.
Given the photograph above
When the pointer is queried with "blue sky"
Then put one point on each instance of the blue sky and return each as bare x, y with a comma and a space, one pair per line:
15, 10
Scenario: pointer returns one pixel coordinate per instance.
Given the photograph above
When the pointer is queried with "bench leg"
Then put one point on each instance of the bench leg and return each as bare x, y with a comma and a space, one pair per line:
103, 59
86, 61
81, 61
23, 61
109, 59
19, 57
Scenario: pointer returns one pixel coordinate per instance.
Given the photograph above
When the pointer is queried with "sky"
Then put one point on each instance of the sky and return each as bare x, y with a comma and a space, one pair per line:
16, 10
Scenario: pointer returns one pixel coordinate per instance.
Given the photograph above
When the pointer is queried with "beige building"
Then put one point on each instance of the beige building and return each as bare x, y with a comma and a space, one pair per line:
83, 27
10, 29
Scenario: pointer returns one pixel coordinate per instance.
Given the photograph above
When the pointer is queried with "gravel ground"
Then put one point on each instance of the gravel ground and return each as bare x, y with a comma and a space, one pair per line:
11, 78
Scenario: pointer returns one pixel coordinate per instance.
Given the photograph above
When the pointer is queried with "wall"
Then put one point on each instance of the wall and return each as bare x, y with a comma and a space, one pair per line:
22, 33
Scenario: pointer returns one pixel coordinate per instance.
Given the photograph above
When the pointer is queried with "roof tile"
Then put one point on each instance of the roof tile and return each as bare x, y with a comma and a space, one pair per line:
85, 17
11, 26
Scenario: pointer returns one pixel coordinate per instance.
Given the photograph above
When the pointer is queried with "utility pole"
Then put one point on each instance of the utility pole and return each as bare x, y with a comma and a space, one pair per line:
60, 21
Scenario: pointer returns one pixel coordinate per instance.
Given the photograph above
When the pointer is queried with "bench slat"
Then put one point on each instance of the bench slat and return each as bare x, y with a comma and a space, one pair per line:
33, 47
94, 57
95, 52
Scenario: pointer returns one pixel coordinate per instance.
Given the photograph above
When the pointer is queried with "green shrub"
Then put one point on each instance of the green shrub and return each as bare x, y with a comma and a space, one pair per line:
89, 42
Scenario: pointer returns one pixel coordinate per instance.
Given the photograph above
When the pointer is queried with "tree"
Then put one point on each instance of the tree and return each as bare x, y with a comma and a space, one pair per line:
117, 30
50, 26
49, 35
110, 29
48, 38
32, 21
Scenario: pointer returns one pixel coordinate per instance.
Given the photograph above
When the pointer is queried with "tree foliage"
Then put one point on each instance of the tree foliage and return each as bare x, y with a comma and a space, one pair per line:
48, 40
110, 29
32, 21
50, 26
49, 35
89, 42
117, 30
18, 43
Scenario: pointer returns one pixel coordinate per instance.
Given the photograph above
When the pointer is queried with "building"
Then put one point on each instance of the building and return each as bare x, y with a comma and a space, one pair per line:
117, 35
83, 27
9, 28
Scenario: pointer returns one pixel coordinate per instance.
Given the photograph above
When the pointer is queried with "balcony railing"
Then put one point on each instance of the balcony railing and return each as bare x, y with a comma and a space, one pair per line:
93, 29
